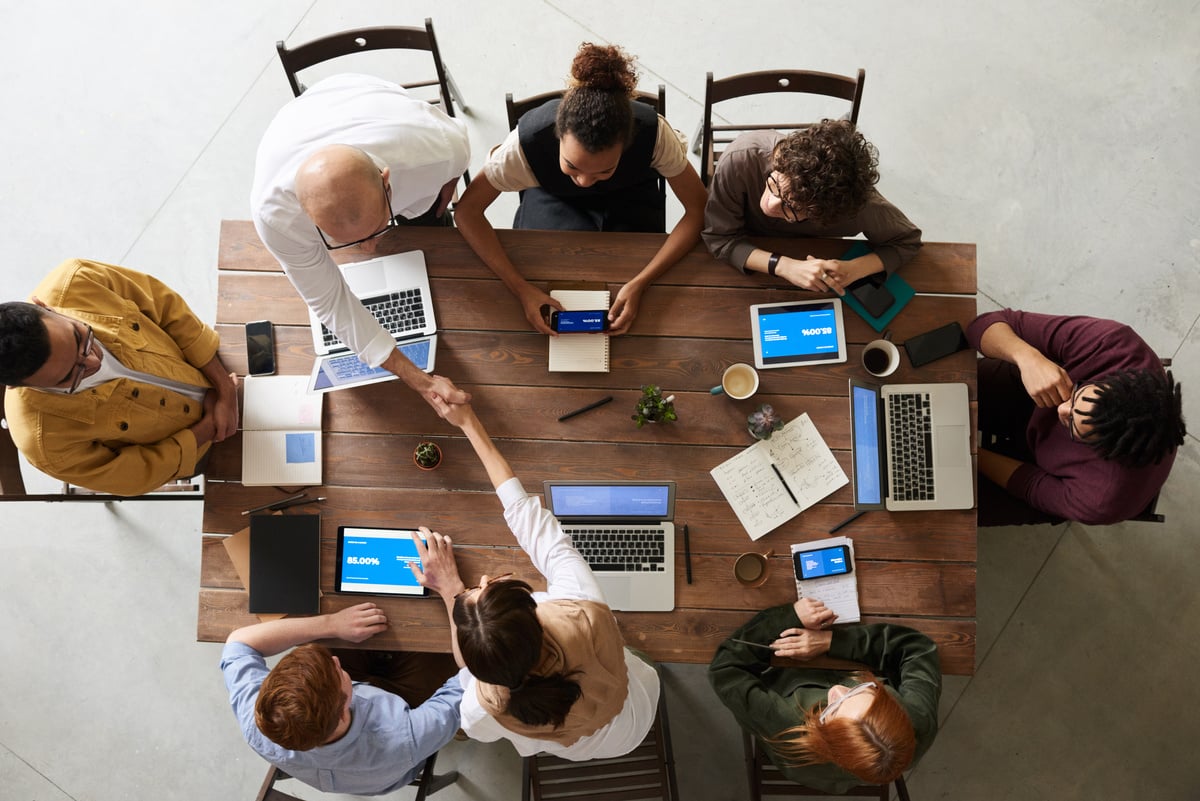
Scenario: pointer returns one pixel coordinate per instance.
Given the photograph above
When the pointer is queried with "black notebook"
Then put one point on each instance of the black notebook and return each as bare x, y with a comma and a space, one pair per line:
285, 564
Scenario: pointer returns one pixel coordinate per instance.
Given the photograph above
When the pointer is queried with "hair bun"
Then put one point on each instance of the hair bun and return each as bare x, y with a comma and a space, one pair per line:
604, 67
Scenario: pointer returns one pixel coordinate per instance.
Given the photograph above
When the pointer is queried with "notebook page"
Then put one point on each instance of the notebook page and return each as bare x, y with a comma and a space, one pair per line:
580, 353
839, 593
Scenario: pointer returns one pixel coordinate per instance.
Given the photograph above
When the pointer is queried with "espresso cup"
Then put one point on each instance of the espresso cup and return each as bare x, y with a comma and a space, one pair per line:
750, 569
739, 381
880, 358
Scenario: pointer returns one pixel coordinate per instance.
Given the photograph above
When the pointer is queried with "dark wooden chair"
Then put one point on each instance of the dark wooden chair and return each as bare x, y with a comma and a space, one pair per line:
646, 772
428, 782
713, 139
766, 779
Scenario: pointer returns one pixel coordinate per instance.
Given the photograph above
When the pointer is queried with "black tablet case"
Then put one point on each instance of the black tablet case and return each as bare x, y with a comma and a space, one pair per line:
285, 564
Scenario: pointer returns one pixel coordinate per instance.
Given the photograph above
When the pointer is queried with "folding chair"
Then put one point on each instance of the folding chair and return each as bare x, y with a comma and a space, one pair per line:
712, 139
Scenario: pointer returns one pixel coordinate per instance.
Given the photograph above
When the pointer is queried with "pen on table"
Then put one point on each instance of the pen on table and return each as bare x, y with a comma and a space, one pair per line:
272, 504
297, 502
687, 553
791, 494
847, 521
588, 408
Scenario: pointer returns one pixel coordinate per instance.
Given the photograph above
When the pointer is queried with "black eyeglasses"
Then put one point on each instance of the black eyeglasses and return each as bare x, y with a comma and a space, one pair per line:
81, 365
391, 223
789, 211
491, 581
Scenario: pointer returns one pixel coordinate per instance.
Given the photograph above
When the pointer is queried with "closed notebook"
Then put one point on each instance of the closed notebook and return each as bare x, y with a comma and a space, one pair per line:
285, 564
579, 353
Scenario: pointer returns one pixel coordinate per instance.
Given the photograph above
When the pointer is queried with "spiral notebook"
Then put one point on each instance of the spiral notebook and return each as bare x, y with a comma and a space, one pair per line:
580, 353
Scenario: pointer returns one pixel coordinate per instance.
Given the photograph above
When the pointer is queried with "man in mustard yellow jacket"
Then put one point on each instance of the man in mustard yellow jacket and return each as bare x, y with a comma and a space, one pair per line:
114, 384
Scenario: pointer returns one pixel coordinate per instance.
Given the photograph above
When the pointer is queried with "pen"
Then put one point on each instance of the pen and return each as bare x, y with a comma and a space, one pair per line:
747, 642
687, 553
298, 502
588, 408
847, 521
270, 505
791, 494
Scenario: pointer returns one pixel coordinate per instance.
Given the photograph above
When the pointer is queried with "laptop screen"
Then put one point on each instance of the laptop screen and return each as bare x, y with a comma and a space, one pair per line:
868, 455
607, 501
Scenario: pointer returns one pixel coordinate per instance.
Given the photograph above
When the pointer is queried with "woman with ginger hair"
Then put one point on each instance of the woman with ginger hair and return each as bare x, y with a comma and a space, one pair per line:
826, 729
588, 162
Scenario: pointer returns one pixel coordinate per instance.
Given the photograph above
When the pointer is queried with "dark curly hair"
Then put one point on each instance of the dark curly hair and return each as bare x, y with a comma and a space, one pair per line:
1136, 418
500, 639
24, 342
830, 170
595, 110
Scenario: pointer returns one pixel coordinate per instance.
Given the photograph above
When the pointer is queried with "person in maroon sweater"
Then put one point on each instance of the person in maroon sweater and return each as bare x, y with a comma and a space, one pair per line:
1079, 419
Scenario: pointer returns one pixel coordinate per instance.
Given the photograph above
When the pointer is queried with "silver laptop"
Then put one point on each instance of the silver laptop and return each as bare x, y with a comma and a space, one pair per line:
912, 446
624, 531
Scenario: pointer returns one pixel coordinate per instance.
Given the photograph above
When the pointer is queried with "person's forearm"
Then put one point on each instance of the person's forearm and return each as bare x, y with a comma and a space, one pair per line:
997, 467
398, 364
276, 636
678, 244
865, 265
481, 236
497, 466
448, 599
1000, 341
218, 376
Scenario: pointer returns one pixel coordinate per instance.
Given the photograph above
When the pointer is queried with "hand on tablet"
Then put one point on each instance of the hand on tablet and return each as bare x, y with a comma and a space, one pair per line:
359, 622
440, 572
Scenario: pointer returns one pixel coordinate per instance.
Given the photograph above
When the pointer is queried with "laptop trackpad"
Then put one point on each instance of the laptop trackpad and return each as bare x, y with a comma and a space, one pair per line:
618, 590
949, 447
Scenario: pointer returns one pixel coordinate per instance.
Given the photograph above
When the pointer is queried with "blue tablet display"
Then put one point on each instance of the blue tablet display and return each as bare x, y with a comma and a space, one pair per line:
376, 560
799, 333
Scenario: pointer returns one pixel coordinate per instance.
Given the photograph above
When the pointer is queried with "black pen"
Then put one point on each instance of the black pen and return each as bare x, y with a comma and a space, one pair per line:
791, 494
298, 502
687, 553
588, 408
273, 504
747, 642
847, 521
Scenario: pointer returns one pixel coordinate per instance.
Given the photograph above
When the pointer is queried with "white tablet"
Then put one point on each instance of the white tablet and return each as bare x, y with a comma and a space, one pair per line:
797, 333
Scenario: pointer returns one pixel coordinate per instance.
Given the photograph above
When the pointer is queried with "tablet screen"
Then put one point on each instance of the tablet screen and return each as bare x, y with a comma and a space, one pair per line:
799, 333
375, 561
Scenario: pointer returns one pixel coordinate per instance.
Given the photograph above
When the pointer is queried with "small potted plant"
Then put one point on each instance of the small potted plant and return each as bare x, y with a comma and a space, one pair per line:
652, 407
427, 455
764, 422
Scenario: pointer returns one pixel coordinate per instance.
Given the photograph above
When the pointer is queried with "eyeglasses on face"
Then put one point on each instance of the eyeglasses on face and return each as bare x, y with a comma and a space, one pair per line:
790, 213
491, 580
391, 223
82, 356
1072, 431
829, 710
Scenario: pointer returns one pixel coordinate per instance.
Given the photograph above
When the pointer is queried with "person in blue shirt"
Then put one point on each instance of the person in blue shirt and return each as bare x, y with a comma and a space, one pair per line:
309, 718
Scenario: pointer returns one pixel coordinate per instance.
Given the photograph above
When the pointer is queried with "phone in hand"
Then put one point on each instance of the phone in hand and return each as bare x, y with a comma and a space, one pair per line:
579, 322
260, 347
932, 345
821, 562
872, 294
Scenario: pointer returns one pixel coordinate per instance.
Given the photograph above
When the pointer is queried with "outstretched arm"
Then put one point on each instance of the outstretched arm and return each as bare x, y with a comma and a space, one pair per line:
353, 624
463, 416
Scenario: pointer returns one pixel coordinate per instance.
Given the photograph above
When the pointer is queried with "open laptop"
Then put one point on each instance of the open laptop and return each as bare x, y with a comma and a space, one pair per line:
395, 289
624, 531
912, 446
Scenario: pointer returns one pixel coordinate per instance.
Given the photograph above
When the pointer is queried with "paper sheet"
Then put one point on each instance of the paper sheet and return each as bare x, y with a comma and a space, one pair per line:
839, 593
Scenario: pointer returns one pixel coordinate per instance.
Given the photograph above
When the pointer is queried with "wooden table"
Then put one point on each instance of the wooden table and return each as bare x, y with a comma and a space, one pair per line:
915, 568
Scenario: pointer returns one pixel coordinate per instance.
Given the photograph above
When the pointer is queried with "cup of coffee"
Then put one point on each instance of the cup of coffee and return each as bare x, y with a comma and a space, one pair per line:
750, 569
880, 358
739, 381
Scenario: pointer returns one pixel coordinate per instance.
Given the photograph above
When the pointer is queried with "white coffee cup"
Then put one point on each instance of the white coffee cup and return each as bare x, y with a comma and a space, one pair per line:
880, 358
739, 381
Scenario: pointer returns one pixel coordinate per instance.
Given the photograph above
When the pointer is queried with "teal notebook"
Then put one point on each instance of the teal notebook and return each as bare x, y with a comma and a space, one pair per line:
900, 289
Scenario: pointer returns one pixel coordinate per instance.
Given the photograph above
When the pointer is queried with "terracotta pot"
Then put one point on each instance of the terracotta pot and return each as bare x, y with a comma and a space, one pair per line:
439, 456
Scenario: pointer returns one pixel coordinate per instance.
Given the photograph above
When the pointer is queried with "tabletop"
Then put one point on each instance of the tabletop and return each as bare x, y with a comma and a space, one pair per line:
913, 568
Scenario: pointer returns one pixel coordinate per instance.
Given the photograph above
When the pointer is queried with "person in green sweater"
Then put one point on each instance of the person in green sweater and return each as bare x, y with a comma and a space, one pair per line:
826, 729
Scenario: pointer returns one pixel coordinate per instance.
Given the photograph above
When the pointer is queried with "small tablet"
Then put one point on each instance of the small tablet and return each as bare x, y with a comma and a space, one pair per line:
798, 333
374, 561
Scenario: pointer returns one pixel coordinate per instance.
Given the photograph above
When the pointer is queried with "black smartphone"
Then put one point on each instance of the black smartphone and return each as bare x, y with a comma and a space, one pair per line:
872, 294
578, 322
821, 562
933, 345
260, 347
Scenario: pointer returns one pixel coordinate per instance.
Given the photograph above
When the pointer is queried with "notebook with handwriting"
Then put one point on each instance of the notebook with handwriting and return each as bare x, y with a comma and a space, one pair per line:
838, 593
776, 479
580, 353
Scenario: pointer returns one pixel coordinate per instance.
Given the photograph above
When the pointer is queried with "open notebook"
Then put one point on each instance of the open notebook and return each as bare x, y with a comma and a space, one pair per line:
281, 432
580, 353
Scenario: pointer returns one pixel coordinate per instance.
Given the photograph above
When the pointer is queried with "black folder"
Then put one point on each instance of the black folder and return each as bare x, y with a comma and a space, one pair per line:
285, 564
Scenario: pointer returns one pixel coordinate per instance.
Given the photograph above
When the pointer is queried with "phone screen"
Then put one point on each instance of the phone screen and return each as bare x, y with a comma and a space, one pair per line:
822, 562
932, 345
260, 348
579, 322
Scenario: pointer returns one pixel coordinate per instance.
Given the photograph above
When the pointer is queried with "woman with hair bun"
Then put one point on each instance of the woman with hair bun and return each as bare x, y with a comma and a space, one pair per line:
547, 671
588, 162
826, 729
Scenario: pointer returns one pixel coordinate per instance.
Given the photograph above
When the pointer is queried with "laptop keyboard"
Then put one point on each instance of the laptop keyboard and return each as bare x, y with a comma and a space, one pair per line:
608, 549
398, 312
910, 440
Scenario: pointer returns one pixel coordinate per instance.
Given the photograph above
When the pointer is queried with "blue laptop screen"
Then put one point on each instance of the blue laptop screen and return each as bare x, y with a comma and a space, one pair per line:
867, 455
611, 500
797, 333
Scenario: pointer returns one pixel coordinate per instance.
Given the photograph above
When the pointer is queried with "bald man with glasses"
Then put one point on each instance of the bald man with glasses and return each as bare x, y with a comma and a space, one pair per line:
113, 382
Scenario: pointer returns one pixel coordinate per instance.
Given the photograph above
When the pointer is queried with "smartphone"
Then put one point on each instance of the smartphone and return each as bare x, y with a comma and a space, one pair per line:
873, 295
832, 561
933, 345
578, 322
260, 347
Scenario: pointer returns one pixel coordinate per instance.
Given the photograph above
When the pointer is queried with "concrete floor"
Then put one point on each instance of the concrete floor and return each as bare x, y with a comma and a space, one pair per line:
1059, 137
